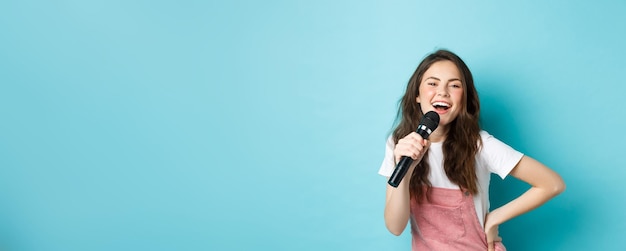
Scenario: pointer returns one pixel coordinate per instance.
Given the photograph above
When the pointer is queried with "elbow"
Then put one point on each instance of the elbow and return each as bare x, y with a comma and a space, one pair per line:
396, 219
396, 232
558, 187
395, 229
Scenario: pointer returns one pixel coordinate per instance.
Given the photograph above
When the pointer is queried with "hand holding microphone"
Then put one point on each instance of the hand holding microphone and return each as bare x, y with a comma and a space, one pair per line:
412, 145
427, 125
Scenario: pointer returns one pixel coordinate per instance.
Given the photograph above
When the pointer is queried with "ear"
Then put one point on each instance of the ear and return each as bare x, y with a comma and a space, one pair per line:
417, 99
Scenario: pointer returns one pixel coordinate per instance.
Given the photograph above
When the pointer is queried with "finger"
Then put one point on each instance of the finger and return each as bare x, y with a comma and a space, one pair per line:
491, 246
413, 150
411, 153
409, 144
426, 144
415, 142
417, 136
412, 146
419, 151
414, 137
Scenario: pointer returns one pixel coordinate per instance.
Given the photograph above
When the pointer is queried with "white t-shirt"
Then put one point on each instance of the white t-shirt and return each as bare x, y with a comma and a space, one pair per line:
494, 157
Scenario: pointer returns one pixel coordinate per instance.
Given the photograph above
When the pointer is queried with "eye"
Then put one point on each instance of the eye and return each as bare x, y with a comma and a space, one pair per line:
456, 85
432, 83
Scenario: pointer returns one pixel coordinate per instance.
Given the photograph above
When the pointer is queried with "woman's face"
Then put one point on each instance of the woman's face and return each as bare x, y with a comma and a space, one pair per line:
441, 90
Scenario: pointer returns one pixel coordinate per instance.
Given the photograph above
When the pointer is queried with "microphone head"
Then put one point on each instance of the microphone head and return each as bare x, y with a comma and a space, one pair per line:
430, 120
428, 124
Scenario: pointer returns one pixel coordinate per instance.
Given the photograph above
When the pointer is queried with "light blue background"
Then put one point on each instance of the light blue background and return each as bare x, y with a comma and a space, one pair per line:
260, 125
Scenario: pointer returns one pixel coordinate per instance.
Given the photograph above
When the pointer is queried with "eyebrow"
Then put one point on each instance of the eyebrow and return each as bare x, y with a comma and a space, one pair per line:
450, 80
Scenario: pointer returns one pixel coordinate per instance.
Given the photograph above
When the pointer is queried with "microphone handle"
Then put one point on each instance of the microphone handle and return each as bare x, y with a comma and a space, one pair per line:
400, 171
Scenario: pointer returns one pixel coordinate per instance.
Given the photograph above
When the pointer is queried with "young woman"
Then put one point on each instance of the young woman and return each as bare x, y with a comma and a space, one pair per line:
445, 192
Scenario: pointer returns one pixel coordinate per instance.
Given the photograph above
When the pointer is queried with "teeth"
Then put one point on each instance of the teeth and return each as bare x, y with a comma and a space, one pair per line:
441, 104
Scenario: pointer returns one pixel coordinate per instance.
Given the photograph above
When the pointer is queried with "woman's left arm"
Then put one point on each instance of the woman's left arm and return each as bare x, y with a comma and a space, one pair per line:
545, 184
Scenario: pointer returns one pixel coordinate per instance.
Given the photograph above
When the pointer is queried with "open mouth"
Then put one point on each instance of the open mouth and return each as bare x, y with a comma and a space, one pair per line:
441, 106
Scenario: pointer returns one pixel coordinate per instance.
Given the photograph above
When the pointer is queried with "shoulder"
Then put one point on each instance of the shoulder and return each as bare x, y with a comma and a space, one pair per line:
488, 141
390, 142
485, 135
491, 148
497, 156
388, 164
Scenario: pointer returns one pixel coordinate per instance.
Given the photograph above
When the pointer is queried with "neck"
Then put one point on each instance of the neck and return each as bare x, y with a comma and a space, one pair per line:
439, 135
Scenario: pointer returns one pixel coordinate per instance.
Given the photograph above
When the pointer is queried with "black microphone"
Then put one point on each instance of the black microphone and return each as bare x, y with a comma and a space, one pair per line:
427, 125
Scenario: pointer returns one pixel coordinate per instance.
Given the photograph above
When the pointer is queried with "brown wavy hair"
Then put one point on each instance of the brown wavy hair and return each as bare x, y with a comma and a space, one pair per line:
463, 138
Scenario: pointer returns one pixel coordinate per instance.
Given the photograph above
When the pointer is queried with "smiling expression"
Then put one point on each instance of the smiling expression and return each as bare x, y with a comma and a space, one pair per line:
441, 90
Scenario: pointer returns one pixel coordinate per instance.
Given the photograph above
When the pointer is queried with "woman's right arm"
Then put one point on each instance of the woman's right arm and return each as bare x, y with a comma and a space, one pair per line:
398, 201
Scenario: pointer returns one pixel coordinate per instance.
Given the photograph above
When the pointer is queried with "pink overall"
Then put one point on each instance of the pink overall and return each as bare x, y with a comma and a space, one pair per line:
447, 222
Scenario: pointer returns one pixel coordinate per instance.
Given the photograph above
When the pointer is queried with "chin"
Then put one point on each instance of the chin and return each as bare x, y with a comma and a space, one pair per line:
445, 120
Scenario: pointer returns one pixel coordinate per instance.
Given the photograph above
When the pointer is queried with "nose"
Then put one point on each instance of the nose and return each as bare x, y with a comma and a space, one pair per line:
443, 92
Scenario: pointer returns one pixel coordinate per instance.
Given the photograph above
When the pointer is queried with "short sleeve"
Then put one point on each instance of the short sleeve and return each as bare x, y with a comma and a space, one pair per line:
497, 156
388, 165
